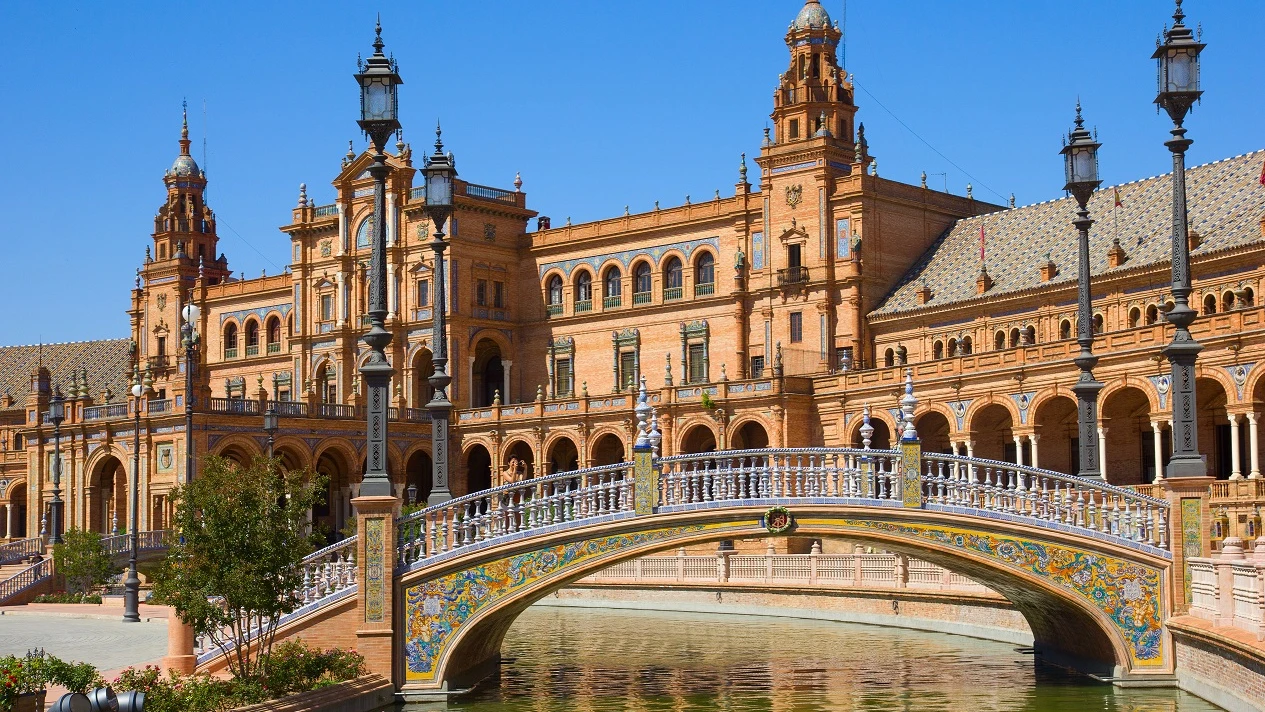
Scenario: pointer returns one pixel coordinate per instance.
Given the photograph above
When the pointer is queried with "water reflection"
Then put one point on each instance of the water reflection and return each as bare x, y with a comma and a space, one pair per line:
597, 660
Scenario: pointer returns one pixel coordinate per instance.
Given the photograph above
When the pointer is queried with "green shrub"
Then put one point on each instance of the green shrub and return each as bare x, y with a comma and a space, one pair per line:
65, 597
31, 674
82, 560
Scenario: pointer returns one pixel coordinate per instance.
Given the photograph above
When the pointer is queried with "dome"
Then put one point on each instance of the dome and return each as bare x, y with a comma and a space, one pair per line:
185, 166
812, 16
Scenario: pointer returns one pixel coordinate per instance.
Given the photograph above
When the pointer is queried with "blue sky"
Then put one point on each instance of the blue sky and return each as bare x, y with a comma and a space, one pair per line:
598, 104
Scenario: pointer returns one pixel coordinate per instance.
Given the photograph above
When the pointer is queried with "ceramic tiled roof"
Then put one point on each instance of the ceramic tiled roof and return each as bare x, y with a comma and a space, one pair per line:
106, 361
1225, 203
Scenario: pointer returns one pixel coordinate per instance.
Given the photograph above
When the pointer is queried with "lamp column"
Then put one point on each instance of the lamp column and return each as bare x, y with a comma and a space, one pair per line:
189, 332
1080, 161
440, 171
56, 414
132, 585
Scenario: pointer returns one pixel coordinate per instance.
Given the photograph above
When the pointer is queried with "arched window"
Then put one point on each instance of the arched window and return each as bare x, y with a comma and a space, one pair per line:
1227, 301
1249, 297
1029, 336
274, 334
1152, 314
1098, 323
937, 350
953, 348
555, 291
1014, 338
889, 358
583, 288
1135, 317
641, 283
252, 333
902, 355
1065, 329
230, 341
999, 340
611, 287
364, 233
673, 275
704, 274
964, 346
1210, 304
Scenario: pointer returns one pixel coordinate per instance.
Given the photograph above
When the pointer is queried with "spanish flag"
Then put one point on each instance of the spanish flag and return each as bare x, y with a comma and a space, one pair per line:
1263, 174
1120, 203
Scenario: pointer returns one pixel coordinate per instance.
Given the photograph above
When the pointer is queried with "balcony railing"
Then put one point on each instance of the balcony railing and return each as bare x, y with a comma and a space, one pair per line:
235, 405
290, 408
792, 275
554, 310
274, 348
671, 294
417, 415
418, 193
155, 407
230, 353
102, 412
703, 290
335, 410
324, 211
641, 298
252, 350
612, 302
584, 305
484, 192
365, 320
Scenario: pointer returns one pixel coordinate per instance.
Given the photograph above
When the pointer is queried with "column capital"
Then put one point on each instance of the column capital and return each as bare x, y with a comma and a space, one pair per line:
1251, 417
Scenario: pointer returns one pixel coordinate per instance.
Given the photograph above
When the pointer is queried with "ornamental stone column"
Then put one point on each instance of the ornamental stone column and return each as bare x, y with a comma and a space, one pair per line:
1236, 468
1253, 442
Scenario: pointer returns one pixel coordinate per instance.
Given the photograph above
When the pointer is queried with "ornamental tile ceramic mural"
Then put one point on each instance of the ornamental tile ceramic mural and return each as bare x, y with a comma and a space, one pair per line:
375, 571
1126, 593
435, 610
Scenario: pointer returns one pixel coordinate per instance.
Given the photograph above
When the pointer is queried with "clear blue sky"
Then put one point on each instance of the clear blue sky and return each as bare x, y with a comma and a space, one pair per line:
598, 104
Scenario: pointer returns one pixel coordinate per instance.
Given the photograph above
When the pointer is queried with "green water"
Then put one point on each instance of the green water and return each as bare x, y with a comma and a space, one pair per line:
603, 660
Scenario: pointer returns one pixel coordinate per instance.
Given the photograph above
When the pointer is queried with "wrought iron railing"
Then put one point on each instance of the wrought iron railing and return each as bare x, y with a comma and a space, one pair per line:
417, 415
485, 192
792, 275
235, 405
516, 507
156, 407
323, 211
103, 412
145, 541
611, 302
672, 293
30, 576
335, 410
20, 549
702, 290
290, 408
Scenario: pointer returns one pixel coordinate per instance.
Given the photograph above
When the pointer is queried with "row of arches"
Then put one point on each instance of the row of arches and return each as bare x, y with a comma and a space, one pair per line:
672, 282
250, 334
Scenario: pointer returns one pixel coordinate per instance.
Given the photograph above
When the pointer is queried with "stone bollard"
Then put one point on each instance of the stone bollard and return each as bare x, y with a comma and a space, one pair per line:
180, 656
1230, 554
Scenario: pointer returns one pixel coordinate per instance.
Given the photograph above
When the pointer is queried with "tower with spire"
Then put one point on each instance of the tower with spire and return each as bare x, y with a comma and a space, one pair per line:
184, 228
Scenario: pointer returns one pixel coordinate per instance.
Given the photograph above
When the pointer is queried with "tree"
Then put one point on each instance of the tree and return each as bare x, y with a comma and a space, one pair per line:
82, 560
235, 566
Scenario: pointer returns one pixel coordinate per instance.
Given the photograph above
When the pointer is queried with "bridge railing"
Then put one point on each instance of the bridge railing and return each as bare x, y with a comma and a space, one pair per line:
780, 473
1045, 495
24, 579
515, 507
20, 549
147, 540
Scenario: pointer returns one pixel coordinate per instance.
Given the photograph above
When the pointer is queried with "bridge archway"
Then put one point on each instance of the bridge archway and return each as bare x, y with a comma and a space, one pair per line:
478, 469
696, 439
608, 449
107, 496
1055, 579
750, 435
1055, 423
419, 472
563, 456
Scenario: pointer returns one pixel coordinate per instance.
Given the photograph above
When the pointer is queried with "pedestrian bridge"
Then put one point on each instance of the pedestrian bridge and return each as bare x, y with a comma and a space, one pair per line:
1088, 564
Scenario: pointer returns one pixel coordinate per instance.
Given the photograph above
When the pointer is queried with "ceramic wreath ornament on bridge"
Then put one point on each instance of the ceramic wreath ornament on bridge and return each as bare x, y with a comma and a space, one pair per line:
778, 520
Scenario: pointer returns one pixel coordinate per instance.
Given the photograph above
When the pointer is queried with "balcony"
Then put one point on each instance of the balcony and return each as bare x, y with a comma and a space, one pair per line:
274, 348
641, 298
671, 294
290, 408
252, 350
417, 415
418, 193
335, 410
612, 302
704, 290
554, 310
156, 407
792, 275
324, 211
484, 192
102, 412
585, 305
239, 406
230, 353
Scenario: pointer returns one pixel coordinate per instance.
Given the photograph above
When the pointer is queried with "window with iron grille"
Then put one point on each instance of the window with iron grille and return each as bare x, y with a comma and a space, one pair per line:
797, 327
697, 356
498, 295
757, 367
423, 292
481, 292
627, 370
563, 379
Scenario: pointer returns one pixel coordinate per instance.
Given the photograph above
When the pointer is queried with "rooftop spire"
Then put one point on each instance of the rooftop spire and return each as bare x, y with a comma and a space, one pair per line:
439, 140
378, 44
184, 128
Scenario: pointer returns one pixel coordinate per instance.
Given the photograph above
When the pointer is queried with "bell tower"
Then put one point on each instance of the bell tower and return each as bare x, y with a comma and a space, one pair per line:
814, 97
184, 228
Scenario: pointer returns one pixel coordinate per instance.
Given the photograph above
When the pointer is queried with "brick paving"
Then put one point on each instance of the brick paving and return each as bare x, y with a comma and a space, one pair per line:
85, 633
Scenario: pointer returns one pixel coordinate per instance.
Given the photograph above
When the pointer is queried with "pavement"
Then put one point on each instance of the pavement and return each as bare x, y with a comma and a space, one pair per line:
86, 633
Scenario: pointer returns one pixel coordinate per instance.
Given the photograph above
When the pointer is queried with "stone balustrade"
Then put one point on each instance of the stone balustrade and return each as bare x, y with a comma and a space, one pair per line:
830, 571
1228, 589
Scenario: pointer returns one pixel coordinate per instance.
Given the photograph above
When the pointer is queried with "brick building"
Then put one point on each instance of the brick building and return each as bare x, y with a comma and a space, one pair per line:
769, 317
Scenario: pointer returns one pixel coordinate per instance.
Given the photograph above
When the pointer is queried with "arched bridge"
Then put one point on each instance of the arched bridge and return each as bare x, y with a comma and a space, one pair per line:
1088, 564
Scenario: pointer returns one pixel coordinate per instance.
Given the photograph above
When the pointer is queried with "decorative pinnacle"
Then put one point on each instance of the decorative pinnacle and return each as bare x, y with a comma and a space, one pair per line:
518, 182
907, 404
184, 118
742, 167
1178, 15
378, 44
1080, 122
867, 430
439, 140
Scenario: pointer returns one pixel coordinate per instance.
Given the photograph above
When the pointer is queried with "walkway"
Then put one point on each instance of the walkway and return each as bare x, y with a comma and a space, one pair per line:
85, 633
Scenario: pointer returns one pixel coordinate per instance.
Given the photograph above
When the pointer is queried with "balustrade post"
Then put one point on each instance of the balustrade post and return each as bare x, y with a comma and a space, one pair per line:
812, 562
1189, 518
722, 564
1223, 564
180, 656
901, 570
375, 577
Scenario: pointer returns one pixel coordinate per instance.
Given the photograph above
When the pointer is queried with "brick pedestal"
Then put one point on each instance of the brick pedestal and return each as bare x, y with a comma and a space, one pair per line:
1189, 520
180, 656
375, 565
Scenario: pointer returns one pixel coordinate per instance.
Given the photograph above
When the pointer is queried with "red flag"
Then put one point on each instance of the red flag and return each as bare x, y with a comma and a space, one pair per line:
1263, 174
981, 242
1119, 202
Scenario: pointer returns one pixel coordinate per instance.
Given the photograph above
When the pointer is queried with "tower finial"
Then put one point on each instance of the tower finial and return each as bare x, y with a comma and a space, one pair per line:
1079, 121
184, 127
439, 139
742, 169
378, 44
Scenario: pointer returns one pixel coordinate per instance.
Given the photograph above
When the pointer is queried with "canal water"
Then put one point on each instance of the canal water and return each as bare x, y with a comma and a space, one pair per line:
600, 660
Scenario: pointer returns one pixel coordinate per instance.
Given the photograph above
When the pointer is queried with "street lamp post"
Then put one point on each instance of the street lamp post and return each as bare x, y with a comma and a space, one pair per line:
56, 414
132, 585
189, 331
1178, 78
440, 171
379, 113
271, 425
1080, 162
